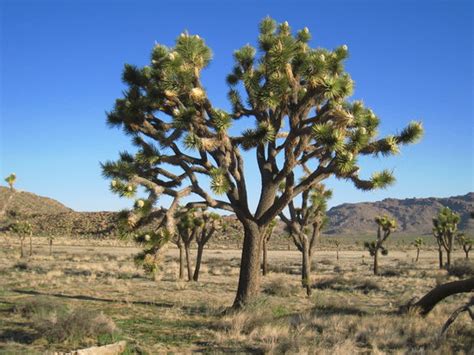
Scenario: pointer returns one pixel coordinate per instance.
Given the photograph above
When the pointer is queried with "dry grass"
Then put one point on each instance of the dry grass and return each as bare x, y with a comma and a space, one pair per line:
82, 295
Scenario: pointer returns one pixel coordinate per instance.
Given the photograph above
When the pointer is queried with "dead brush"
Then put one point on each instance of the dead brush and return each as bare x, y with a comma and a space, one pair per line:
58, 324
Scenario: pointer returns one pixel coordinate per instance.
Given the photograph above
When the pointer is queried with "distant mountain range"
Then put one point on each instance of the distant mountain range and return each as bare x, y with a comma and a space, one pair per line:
414, 215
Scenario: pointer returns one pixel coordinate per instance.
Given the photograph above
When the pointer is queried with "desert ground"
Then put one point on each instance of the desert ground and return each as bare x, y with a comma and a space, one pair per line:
91, 293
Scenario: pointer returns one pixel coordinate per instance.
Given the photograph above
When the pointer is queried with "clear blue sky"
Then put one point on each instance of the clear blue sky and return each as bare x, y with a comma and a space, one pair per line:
61, 64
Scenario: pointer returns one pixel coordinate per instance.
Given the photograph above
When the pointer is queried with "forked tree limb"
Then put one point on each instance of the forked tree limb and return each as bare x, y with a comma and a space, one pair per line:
456, 313
439, 293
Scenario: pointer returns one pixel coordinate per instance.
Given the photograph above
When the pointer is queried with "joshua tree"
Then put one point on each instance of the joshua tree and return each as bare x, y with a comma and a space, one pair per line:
418, 243
188, 225
293, 100
210, 223
386, 226
337, 243
10, 180
465, 243
445, 227
265, 239
23, 230
304, 226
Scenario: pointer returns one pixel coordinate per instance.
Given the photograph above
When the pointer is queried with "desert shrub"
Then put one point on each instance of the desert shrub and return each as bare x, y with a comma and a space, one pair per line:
339, 283
57, 323
326, 262
461, 268
74, 326
392, 272
279, 287
39, 308
284, 269
22, 266
337, 269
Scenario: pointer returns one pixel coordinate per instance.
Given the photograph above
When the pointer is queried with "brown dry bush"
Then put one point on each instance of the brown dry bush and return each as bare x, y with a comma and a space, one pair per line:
462, 268
57, 323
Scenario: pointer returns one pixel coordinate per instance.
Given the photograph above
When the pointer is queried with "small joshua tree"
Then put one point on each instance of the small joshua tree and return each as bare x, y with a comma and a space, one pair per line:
304, 226
386, 226
188, 225
265, 239
294, 101
418, 243
22, 230
337, 243
445, 227
209, 225
10, 180
465, 243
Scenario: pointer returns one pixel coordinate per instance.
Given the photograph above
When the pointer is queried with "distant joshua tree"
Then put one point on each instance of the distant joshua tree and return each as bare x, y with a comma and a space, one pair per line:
386, 226
22, 230
305, 224
10, 180
265, 239
188, 227
465, 242
418, 243
445, 227
211, 222
337, 243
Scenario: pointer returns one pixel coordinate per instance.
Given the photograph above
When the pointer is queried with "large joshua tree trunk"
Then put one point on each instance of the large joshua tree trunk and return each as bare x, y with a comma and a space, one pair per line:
417, 254
200, 250
249, 278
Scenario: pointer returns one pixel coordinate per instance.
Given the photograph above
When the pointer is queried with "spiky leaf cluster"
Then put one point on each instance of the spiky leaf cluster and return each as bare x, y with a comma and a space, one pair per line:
10, 180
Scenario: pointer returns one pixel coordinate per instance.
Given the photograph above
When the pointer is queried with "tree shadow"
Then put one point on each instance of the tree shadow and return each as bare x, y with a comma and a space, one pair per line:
95, 299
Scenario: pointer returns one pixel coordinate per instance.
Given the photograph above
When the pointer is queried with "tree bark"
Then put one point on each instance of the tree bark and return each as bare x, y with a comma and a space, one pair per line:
249, 278
31, 246
306, 270
264, 257
417, 254
22, 253
448, 258
188, 262
50, 247
200, 251
440, 258
439, 293
181, 262
376, 262
467, 254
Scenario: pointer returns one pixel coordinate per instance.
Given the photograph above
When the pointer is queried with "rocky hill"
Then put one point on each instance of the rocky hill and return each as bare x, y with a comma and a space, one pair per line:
27, 203
414, 215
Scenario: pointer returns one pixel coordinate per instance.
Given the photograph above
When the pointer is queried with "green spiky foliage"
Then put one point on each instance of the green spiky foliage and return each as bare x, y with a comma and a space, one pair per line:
418, 244
23, 229
386, 226
445, 226
465, 243
304, 224
294, 100
10, 180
